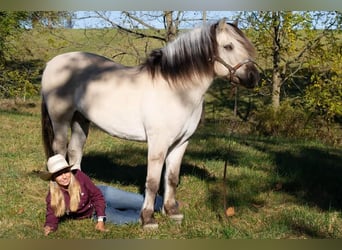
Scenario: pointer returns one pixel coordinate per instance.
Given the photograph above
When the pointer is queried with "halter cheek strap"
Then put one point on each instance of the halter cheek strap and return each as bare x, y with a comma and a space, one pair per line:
232, 70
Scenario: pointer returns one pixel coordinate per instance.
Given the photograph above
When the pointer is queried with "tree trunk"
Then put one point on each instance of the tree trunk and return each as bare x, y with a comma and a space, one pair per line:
276, 84
171, 29
276, 75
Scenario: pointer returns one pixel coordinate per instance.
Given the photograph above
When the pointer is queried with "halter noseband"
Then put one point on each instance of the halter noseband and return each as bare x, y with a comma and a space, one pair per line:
232, 70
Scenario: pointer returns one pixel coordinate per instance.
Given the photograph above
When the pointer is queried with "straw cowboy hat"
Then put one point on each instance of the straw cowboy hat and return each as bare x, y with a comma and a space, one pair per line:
55, 164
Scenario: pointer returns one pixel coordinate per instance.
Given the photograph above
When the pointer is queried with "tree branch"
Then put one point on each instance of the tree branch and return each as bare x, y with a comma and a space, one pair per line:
140, 21
133, 32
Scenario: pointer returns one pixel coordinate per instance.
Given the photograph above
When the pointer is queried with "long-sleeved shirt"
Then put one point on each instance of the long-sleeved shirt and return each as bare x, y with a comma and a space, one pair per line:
91, 200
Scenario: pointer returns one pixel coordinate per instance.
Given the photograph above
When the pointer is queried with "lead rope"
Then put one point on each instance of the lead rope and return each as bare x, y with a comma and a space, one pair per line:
232, 70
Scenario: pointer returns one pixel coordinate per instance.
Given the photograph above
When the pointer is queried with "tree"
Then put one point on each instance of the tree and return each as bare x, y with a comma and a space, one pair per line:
163, 26
9, 25
16, 75
49, 19
289, 37
323, 96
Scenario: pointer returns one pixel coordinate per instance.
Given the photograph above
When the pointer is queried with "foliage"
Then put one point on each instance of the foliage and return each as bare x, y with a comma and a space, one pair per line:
50, 19
18, 75
287, 121
9, 25
18, 83
324, 95
286, 41
325, 98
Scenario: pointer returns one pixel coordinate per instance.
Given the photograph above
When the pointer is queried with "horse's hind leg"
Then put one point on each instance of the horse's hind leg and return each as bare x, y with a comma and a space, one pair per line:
60, 140
79, 133
173, 165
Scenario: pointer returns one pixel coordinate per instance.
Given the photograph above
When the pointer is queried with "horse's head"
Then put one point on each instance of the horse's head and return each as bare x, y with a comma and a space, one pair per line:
235, 55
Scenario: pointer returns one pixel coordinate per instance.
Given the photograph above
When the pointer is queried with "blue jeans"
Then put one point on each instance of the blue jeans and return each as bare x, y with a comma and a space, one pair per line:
124, 207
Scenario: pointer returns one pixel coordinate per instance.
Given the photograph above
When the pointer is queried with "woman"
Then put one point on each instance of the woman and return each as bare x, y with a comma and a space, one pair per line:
73, 195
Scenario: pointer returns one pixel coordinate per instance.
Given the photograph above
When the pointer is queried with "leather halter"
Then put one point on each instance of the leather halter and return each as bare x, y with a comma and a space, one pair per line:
232, 70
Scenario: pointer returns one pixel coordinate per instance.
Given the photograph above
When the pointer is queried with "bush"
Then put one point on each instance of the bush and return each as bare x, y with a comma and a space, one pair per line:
18, 83
287, 121
295, 122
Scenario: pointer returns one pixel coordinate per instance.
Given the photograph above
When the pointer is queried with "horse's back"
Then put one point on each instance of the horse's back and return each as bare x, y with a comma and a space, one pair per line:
75, 67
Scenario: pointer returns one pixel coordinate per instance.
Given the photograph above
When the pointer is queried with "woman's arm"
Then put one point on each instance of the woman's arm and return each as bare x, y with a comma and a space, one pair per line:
51, 221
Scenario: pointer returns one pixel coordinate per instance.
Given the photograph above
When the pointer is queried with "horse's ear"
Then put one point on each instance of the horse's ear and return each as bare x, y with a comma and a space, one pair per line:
236, 23
222, 23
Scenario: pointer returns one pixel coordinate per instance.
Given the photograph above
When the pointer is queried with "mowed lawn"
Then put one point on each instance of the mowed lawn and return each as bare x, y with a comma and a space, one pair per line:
274, 188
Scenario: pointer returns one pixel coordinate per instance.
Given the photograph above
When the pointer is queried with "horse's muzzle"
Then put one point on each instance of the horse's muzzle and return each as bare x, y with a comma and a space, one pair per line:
248, 77
253, 76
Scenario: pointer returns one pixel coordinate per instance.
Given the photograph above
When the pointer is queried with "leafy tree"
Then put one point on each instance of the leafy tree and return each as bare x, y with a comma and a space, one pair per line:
16, 76
285, 41
9, 25
323, 96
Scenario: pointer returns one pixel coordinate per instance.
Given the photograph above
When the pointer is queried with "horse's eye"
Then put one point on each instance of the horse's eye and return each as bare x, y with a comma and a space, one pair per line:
229, 46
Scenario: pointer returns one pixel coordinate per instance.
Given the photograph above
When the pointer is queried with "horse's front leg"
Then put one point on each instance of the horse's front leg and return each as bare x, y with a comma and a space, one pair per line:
173, 165
156, 158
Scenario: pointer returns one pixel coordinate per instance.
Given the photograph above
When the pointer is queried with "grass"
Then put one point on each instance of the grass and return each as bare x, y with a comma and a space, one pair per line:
280, 188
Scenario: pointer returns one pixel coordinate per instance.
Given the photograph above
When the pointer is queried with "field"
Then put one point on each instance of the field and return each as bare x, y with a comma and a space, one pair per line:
279, 188
274, 188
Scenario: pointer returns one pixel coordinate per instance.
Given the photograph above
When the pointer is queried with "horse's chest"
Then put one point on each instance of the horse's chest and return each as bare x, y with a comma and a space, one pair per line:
191, 122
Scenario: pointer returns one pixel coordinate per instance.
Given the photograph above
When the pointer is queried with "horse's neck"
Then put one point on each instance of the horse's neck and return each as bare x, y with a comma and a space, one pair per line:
203, 84
196, 90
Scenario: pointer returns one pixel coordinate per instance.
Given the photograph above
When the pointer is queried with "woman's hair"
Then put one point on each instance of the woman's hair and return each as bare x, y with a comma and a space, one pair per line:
57, 197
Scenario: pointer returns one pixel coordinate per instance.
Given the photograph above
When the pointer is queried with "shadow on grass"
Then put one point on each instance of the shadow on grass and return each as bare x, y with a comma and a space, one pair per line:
104, 168
313, 175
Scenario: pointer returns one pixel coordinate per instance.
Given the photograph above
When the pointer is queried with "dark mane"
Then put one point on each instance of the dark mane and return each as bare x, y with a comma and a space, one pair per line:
189, 54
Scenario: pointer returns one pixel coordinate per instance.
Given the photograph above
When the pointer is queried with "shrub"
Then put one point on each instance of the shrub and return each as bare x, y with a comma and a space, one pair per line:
287, 121
18, 83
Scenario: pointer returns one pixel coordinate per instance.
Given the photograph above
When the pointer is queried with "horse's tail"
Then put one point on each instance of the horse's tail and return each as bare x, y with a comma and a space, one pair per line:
47, 130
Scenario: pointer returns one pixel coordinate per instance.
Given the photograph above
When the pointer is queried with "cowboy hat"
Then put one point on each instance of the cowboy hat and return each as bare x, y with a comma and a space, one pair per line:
55, 164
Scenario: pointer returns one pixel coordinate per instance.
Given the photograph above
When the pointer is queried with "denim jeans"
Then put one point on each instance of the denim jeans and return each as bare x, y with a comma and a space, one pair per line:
124, 207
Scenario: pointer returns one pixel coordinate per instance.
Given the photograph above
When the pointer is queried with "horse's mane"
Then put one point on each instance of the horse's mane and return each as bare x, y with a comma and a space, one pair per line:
189, 55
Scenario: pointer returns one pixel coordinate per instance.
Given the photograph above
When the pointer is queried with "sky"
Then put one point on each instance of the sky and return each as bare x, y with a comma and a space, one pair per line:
87, 19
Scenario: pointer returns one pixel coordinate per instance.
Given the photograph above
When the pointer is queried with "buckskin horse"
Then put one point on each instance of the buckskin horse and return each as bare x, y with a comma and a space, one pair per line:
158, 101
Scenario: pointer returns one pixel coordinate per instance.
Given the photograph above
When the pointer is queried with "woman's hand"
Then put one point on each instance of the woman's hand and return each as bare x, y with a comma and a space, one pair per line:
47, 230
100, 225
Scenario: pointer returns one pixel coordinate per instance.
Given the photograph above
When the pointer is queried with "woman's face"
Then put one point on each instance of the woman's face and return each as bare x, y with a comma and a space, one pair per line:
63, 179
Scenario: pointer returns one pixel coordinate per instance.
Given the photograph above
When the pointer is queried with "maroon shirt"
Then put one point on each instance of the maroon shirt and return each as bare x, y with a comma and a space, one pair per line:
91, 200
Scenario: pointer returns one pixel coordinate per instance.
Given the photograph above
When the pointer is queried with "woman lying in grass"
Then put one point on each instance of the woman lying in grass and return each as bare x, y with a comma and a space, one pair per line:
73, 195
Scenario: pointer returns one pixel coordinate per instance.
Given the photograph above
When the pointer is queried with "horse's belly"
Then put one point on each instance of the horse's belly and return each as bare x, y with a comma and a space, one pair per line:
119, 126
117, 118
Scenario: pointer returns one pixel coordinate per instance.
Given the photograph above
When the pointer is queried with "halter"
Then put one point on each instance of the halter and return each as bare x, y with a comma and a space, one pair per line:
232, 70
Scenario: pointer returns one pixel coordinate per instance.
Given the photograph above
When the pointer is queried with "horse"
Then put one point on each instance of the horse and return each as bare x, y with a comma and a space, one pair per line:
158, 102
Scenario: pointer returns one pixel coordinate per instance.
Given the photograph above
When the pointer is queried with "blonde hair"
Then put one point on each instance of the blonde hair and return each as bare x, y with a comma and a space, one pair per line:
57, 197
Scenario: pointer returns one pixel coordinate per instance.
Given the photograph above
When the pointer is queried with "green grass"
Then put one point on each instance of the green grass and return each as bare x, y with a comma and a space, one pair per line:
280, 188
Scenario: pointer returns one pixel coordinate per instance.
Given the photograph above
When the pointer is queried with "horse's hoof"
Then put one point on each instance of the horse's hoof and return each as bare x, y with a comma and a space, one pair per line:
178, 218
150, 226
